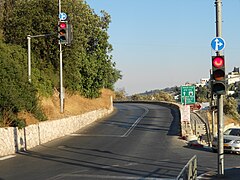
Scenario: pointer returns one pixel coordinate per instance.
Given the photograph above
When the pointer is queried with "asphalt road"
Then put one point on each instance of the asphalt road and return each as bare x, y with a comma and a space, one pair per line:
139, 141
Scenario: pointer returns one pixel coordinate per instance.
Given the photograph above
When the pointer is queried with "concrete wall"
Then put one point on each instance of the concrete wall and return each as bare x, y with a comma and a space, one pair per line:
13, 139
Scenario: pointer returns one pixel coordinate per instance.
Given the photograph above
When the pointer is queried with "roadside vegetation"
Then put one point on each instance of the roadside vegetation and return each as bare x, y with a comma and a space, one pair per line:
87, 64
230, 105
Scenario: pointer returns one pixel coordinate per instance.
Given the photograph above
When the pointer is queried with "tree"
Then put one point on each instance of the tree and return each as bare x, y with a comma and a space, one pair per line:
137, 97
231, 107
16, 93
120, 94
202, 94
87, 64
162, 96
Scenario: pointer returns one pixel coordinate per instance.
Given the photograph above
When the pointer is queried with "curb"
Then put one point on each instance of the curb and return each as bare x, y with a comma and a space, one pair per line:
195, 143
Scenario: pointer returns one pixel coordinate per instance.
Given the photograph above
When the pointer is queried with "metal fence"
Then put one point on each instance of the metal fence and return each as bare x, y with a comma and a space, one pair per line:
189, 172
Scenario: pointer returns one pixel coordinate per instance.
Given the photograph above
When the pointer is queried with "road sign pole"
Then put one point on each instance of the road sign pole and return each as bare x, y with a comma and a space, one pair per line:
218, 4
59, 7
61, 69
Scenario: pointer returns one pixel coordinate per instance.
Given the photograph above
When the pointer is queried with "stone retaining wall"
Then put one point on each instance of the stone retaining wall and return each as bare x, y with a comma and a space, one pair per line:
13, 139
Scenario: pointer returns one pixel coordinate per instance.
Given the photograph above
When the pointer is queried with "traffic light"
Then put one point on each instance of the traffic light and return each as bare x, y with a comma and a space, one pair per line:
63, 32
218, 75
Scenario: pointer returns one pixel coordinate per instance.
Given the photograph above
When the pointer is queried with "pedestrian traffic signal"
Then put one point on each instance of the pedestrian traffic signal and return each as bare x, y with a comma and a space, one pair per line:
63, 32
218, 75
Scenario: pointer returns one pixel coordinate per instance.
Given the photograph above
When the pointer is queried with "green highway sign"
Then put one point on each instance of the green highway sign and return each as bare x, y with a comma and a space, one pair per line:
188, 94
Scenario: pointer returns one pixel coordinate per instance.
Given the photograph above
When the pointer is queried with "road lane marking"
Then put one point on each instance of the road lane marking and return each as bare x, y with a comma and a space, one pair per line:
135, 123
96, 135
64, 176
126, 134
7, 157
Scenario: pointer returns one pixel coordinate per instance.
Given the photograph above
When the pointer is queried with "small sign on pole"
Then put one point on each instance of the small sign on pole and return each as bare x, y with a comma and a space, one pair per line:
62, 16
218, 44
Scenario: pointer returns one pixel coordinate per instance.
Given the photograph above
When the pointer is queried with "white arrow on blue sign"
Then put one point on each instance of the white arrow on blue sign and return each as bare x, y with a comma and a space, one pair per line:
218, 44
62, 16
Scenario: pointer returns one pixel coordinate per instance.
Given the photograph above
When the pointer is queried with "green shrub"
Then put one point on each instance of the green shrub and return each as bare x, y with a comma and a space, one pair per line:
230, 107
16, 93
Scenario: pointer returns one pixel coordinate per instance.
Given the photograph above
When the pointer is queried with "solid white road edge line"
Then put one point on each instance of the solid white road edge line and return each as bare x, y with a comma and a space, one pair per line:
7, 157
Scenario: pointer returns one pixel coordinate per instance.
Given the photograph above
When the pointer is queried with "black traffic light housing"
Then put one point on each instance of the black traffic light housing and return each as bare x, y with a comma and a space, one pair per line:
63, 32
218, 75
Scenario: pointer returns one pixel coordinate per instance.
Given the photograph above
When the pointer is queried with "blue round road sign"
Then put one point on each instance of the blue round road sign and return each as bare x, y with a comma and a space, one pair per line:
62, 16
218, 44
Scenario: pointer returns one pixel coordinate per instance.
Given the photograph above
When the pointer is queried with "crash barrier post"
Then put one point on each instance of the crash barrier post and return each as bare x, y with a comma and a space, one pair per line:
189, 172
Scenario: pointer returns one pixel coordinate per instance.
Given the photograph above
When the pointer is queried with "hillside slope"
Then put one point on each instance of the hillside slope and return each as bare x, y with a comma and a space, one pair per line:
73, 105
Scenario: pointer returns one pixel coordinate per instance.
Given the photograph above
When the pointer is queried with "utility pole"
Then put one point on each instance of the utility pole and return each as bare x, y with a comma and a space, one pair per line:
218, 4
29, 58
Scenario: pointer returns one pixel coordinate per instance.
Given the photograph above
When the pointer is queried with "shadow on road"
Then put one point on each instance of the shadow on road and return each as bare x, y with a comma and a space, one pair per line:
98, 160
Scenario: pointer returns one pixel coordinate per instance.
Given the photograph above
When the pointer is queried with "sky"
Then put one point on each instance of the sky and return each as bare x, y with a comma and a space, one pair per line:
166, 43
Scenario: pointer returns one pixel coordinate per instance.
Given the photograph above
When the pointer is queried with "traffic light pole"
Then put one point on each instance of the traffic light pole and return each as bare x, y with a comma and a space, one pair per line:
61, 79
61, 68
218, 4
220, 136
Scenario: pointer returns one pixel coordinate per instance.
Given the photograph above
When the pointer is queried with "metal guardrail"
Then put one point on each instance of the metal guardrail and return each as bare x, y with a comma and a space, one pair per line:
189, 172
206, 122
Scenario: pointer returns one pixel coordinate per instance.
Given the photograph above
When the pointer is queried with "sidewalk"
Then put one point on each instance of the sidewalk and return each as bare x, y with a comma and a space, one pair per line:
229, 174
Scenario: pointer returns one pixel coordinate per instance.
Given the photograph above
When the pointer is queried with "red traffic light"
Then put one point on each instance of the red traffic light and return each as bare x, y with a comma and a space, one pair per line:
63, 32
62, 25
218, 75
218, 61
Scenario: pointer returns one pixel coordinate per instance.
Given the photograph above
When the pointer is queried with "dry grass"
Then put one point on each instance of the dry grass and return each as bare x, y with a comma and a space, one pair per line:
73, 105
230, 121
227, 120
29, 118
